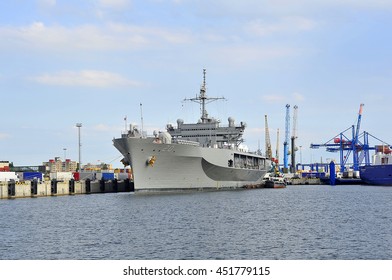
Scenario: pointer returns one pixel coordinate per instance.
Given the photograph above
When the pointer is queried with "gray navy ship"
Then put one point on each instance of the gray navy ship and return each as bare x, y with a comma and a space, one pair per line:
202, 155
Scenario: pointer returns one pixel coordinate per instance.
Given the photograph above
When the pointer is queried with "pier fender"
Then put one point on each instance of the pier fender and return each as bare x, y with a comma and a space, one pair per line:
88, 185
53, 186
102, 185
115, 185
129, 186
11, 188
71, 186
34, 187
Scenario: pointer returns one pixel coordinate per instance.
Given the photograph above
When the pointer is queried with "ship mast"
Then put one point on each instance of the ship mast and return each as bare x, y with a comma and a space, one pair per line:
203, 99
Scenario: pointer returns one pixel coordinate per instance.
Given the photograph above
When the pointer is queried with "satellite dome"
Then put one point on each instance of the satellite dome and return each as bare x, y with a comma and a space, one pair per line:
231, 122
165, 137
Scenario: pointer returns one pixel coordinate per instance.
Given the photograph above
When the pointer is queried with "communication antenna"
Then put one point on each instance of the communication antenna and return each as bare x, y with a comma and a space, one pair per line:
203, 99
141, 117
79, 125
277, 146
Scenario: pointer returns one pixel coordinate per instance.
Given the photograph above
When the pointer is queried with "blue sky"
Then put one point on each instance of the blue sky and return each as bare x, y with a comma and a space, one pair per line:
95, 61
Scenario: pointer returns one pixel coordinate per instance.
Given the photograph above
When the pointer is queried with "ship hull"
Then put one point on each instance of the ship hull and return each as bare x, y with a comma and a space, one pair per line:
180, 166
377, 174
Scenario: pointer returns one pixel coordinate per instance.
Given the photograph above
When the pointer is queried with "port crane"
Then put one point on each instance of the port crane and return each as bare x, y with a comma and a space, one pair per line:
357, 144
268, 149
293, 139
286, 141
277, 148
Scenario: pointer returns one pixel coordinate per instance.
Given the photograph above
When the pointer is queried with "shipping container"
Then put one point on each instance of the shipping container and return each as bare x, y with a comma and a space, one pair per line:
88, 175
76, 176
7, 176
61, 176
108, 176
311, 174
32, 175
123, 176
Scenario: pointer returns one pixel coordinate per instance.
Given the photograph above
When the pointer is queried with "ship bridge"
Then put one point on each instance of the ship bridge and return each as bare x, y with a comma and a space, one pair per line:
209, 134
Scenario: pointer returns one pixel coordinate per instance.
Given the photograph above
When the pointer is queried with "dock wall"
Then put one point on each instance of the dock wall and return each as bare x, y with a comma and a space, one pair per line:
304, 181
58, 188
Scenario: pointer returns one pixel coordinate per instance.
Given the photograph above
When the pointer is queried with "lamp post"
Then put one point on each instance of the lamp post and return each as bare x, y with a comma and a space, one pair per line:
79, 125
300, 153
64, 164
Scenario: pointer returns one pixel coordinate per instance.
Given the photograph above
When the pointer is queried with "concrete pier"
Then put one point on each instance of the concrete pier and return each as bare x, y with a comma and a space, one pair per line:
58, 188
304, 181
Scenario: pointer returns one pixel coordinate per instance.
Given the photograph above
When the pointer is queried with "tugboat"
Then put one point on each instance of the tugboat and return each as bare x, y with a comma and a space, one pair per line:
274, 182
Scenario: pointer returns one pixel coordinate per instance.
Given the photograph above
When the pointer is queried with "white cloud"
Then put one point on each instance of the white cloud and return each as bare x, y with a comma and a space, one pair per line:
245, 54
4, 136
277, 98
286, 24
360, 4
152, 34
273, 98
89, 78
110, 36
106, 8
298, 97
114, 4
102, 128
267, 8
47, 3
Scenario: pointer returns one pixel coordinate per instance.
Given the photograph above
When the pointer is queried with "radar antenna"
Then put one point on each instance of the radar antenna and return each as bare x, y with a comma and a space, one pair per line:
203, 99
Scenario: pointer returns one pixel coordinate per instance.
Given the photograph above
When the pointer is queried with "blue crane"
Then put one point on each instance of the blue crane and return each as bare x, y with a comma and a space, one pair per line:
286, 141
357, 144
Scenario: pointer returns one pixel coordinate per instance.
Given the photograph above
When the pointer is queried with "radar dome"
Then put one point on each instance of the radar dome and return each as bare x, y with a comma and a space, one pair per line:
165, 137
231, 122
180, 122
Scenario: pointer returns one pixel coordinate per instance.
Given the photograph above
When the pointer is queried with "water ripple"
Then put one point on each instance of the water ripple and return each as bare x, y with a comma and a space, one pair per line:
299, 222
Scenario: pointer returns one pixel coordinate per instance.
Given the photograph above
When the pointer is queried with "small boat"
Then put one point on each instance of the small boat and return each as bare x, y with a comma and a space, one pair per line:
275, 182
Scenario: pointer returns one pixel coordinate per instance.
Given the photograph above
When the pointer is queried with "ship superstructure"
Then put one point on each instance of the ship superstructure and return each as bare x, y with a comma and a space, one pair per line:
207, 131
380, 171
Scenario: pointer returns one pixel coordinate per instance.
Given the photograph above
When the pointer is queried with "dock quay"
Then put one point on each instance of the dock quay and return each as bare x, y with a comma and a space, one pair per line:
303, 181
34, 188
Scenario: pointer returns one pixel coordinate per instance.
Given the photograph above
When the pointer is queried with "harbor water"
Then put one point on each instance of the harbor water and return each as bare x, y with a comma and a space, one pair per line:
298, 222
